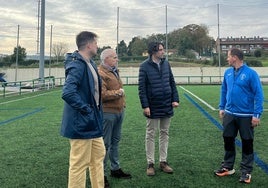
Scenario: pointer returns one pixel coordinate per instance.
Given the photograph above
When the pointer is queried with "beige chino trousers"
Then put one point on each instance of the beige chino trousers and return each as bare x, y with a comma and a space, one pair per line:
151, 128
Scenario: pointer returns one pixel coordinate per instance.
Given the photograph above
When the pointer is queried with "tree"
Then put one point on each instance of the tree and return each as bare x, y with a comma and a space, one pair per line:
59, 50
185, 43
122, 48
137, 46
101, 49
257, 53
21, 54
157, 38
5, 61
193, 37
173, 38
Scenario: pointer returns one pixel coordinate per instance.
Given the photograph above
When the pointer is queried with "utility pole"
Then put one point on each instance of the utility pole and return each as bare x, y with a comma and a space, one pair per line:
42, 42
17, 53
166, 36
38, 28
50, 49
117, 33
219, 45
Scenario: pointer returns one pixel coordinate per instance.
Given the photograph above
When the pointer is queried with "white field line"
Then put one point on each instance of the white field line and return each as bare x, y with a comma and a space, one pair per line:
27, 97
204, 102
201, 100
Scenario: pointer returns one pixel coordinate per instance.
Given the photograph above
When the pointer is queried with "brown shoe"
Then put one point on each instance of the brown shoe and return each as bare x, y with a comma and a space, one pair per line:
166, 168
150, 170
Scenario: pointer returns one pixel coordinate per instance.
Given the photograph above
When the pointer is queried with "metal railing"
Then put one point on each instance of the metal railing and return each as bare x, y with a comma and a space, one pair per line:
21, 87
133, 80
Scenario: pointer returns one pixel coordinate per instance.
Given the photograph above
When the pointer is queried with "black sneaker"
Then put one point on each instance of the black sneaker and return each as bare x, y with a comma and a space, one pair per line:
245, 178
106, 183
224, 172
120, 174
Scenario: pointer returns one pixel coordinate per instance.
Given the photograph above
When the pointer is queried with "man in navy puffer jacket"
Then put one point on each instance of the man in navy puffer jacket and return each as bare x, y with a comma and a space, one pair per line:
158, 96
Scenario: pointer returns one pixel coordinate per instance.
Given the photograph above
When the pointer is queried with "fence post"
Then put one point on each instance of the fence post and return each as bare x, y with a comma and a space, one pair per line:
20, 88
33, 86
4, 91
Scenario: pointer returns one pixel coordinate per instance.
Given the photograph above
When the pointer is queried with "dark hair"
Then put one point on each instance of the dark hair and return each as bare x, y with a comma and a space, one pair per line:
153, 47
83, 38
237, 52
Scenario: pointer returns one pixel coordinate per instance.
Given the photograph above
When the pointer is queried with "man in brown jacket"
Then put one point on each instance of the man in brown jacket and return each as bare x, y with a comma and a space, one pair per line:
113, 100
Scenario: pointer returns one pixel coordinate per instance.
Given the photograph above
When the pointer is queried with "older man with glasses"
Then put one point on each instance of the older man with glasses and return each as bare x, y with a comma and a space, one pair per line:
113, 100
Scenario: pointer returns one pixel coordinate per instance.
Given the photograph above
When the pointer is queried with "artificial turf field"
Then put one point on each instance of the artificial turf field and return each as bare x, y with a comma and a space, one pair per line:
33, 154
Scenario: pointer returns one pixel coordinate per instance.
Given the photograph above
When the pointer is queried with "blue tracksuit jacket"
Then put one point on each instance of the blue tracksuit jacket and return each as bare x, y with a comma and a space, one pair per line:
241, 93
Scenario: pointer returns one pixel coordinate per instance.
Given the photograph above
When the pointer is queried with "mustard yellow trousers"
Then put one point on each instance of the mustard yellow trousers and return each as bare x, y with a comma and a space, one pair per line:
86, 154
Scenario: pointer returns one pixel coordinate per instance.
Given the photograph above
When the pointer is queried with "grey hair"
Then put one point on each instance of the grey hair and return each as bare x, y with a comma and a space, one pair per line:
106, 53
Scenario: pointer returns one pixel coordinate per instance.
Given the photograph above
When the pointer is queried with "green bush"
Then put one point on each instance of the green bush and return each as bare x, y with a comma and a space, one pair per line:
216, 60
203, 62
190, 54
133, 58
254, 63
257, 53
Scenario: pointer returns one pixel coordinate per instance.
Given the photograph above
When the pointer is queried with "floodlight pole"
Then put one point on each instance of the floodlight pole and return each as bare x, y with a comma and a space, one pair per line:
17, 53
166, 36
38, 28
219, 46
50, 48
42, 42
117, 33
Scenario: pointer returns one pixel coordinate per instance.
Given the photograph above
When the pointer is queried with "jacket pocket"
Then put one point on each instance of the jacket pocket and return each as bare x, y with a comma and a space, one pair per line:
87, 121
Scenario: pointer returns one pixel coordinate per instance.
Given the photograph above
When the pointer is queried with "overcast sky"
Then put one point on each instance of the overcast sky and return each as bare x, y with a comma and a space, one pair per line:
136, 18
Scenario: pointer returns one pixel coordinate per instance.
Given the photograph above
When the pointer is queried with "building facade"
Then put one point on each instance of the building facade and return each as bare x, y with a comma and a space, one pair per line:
247, 45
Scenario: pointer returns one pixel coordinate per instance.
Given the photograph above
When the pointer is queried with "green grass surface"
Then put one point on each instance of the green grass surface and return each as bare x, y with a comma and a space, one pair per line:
33, 154
265, 63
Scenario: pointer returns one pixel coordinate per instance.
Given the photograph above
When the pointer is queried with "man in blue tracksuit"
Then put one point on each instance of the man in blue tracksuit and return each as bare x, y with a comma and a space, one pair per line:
241, 105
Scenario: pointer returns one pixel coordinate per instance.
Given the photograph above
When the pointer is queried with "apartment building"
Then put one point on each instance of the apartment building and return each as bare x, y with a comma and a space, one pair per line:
247, 45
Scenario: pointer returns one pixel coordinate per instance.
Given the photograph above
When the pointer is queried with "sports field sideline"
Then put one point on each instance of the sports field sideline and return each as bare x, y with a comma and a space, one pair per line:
33, 154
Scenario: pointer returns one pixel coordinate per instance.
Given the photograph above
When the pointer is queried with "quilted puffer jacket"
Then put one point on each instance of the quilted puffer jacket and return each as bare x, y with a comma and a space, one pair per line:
157, 88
